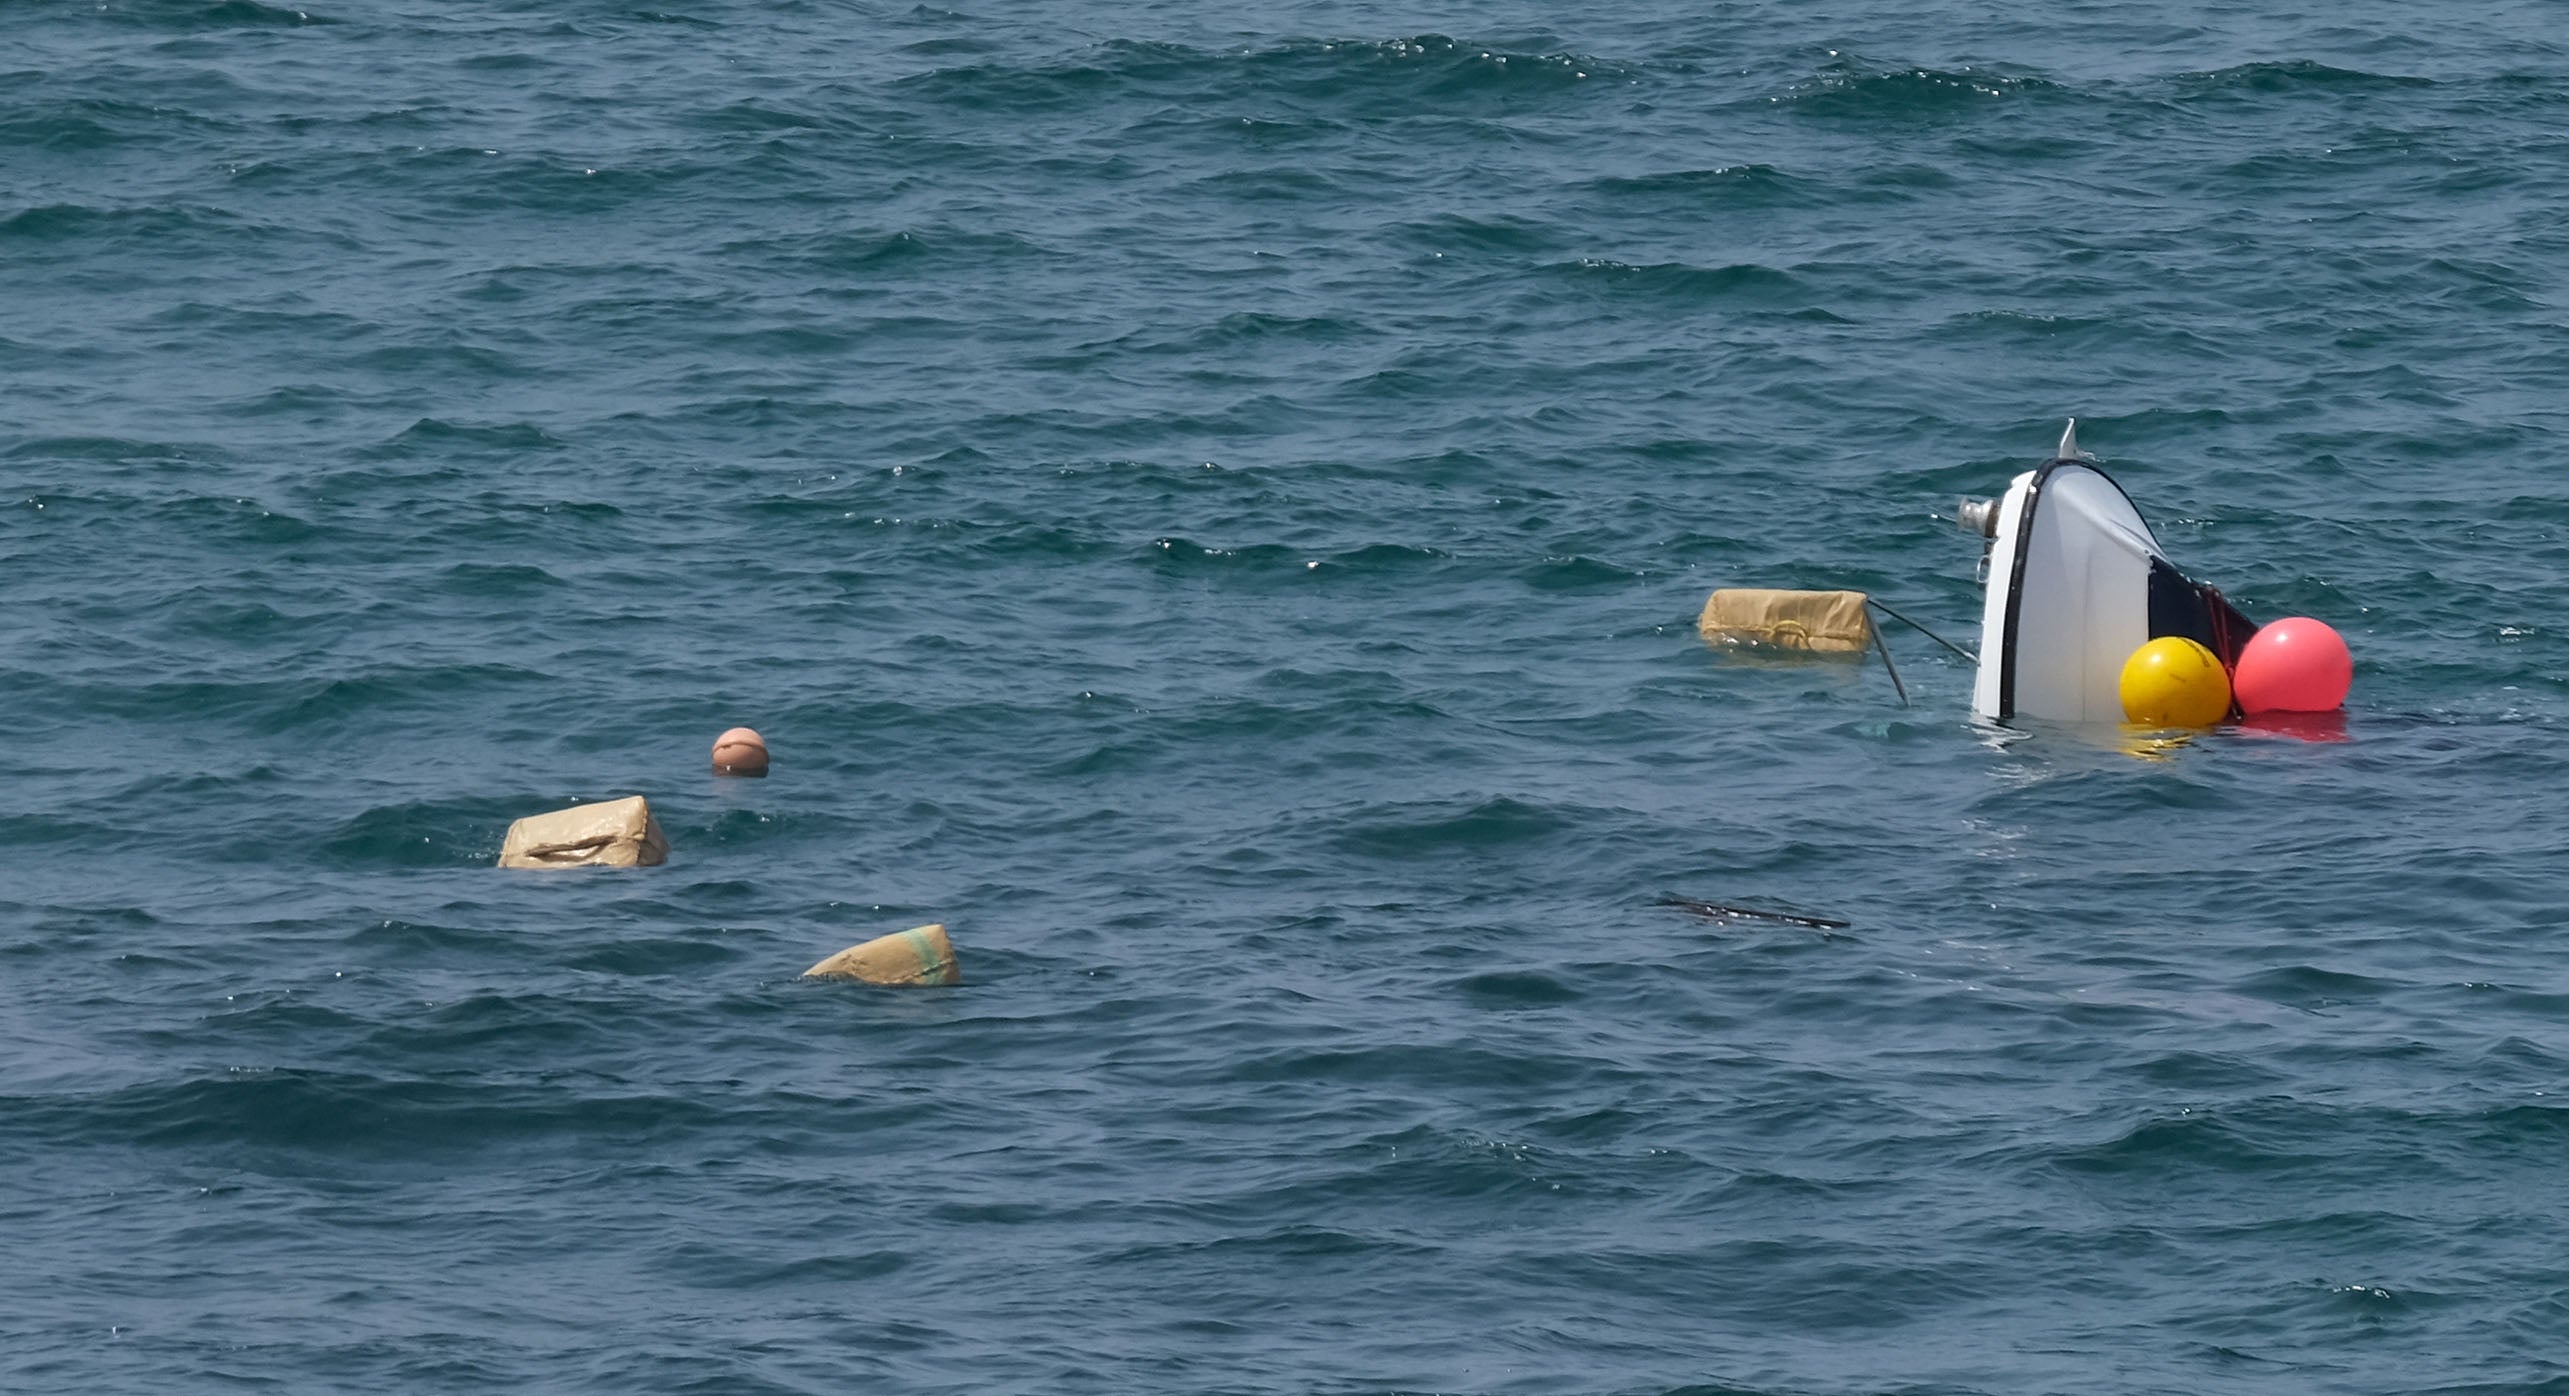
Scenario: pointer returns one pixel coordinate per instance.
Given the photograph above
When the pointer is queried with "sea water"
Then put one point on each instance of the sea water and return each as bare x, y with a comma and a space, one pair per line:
1211, 504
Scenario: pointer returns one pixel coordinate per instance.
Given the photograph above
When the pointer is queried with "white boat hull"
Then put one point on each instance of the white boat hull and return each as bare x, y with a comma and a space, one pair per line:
2068, 598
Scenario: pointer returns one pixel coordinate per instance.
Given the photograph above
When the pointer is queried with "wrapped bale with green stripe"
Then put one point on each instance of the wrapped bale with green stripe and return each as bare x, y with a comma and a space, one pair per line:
914, 958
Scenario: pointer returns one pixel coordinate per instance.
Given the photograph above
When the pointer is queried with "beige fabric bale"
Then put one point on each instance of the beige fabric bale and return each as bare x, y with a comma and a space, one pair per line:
610, 834
1831, 622
909, 959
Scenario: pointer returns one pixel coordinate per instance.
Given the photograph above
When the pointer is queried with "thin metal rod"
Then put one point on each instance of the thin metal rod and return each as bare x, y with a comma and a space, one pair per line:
1904, 620
1887, 667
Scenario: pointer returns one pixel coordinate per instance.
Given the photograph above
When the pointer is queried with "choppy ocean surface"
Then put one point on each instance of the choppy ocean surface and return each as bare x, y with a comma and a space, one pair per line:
1212, 506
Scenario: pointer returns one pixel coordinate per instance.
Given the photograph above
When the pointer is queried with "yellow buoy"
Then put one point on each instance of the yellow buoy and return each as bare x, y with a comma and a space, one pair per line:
2174, 682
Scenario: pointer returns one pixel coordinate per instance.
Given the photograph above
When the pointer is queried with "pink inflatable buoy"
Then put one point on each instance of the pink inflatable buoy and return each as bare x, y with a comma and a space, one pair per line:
2295, 665
740, 752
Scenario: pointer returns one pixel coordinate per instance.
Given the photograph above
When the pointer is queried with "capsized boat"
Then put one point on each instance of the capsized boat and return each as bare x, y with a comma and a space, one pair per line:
2076, 582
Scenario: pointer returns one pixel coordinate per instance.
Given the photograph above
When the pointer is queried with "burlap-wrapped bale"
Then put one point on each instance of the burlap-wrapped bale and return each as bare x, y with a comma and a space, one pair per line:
913, 958
610, 834
1828, 622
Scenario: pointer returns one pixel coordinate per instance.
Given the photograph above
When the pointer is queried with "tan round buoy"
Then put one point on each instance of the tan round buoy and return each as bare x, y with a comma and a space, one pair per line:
740, 752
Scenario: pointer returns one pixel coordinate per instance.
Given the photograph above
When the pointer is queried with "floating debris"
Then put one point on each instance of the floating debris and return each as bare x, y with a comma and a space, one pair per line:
2076, 584
740, 752
913, 958
609, 834
1822, 622
1718, 911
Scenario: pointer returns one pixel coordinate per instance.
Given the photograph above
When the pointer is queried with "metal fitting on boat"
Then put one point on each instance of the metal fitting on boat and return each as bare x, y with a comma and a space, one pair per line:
1978, 516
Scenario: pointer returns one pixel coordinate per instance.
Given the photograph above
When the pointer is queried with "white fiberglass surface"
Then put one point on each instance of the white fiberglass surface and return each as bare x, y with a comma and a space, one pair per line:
2083, 597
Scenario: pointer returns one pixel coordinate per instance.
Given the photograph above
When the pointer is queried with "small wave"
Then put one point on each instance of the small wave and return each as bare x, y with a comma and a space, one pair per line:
1513, 989
1184, 555
2187, 1069
1250, 327
305, 328
1242, 720
658, 955
2052, 331
1300, 1242
672, 17
702, 1266
2185, 1141
952, 46
1035, 543
64, 131
2312, 988
353, 1114
900, 252
496, 579
850, 252
1679, 282
1397, 77
1577, 572
1436, 1067
432, 435
1850, 92
305, 401
97, 123
1389, 558
419, 834
767, 114
427, 940
1428, 831
1457, 232
1050, 84
202, 18
379, 690
1267, 134
2540, 1129
2291, 76
86, 223
46, 830
245, 14
1730, 187
434, 362
102, 448
519, 64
